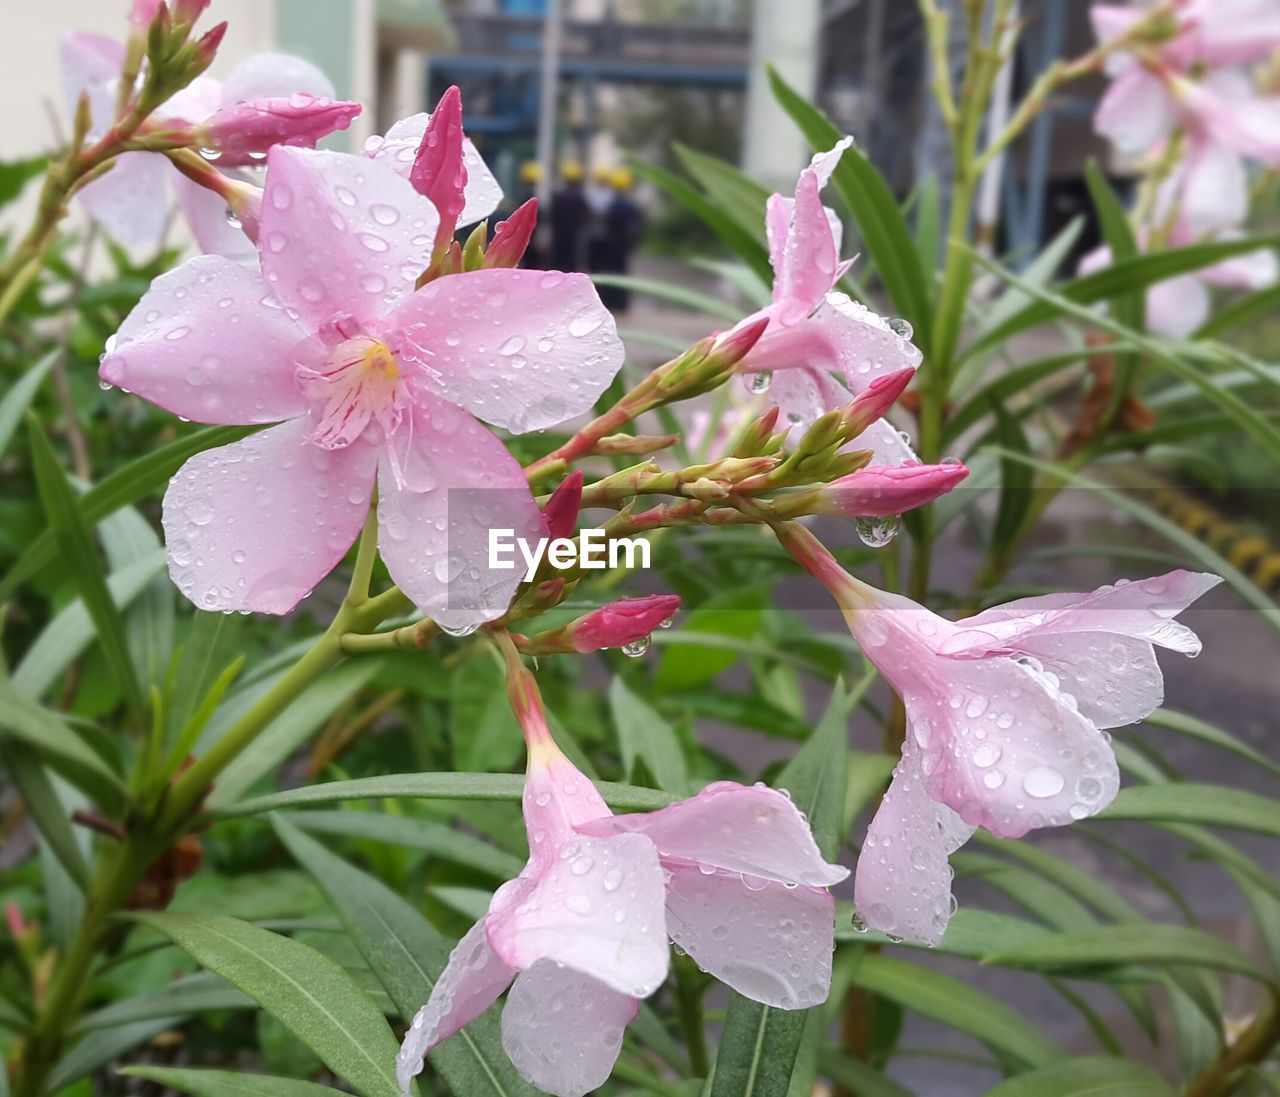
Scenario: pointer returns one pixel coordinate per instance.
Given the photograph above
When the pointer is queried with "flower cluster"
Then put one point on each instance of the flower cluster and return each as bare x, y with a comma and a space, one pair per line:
1187, 104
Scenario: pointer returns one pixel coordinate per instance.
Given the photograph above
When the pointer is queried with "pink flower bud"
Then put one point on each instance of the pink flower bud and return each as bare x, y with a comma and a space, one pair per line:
512, 236
876, 399
208, 43
561, 511
247, 130
622, 622
439, 171
14, 920
882, 491
732, 347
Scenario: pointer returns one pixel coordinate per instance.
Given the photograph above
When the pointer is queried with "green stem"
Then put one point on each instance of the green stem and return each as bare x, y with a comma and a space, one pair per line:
689, 990
366, 557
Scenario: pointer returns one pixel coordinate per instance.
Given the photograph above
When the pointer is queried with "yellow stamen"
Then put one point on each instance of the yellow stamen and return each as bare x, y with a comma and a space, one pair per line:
379, 359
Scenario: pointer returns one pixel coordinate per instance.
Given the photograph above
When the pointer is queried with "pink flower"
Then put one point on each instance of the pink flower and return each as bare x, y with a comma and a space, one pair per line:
245, 131
1004, 712
372, 380
882, 491
622, 622
129, 200
732, 875
819, 344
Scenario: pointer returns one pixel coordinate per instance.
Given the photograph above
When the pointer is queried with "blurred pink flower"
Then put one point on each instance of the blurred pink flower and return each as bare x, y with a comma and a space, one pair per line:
820, 345
373, 381
1004, 712
733, 875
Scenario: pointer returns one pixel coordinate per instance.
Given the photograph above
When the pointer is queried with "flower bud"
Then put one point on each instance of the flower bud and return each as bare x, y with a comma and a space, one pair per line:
732, 347
439, 172
511, 237
247, 130
561, 511
622, 622
873, 401
882, 491
206, 48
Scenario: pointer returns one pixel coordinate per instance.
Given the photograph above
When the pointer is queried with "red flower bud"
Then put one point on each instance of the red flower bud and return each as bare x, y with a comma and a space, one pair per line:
622, 622
511, 237
561, 511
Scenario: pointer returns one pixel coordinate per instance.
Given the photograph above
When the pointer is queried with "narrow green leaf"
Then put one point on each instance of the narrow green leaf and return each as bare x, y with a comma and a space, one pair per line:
957, 1005
124, 486
1195, 728
45, 807
817, 773
1146, 943
198, 993
308, 993
433, 786
741, 197
226, 1083
686, 662
1264, 302
880, 221
859, 1078
674, 294
98, 1048
81, 558
19, 397
1205, 805
1086, 1077
643, 733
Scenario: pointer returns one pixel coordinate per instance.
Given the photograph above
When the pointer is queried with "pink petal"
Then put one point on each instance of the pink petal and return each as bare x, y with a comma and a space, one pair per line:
257, 524
470, 983
563, 1029
521, 349
824, 164
768, 942
557, 800
903, 882
444, 484
129, 201
1177, 307
734, 828
883, 490
1135, 112
206, 216
202, 345
1112, 20
809, 254
848, 338
245, 131
1215, 188
399, 148
340, 235
777, 224
1254, 270
804, 395
596, 907
267, 74
886, 443
1232, 32
89, 63
194, 103
1097, 259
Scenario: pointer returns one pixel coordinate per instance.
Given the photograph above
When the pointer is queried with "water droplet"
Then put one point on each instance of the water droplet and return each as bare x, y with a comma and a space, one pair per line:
760, 382
667, 622
877, 532
211, 154
902, 328
231, 217
636, 648
458, 630
1042, 782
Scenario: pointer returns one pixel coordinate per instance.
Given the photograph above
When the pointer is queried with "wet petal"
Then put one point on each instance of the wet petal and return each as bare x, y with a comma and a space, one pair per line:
521, 349
90, 62
255, 525
206, 216
808, 255
596, 907
202, 345
399, 148
129, 201
888, 445
804, 395
340, 235
769, 942
735, 828
471, 981
445, 482
267, 74
1215, 188
903, 881
563, 1029
1115, 682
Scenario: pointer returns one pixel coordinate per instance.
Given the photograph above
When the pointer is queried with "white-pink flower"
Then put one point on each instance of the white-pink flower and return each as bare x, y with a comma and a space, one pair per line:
128, 201
372, 381
1005, 712
821, 346
732, 875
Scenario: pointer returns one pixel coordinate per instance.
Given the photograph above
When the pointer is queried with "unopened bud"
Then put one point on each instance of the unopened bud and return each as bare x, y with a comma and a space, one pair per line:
439, 171
561, 511
243, 133
881, 491
732, 347
872, 402
622, 622
511, 237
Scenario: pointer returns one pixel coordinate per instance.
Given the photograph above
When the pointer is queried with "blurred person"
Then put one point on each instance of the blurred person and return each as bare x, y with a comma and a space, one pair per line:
621, 226
569, 216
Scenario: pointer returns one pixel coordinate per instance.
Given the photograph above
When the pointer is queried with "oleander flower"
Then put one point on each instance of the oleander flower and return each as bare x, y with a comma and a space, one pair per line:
732, 875
128, 201
820, 345
1005, 712
884, 491
367, 380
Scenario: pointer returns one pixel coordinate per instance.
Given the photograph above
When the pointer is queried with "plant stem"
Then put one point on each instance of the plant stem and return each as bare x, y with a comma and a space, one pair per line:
689, 1006
1252, 1047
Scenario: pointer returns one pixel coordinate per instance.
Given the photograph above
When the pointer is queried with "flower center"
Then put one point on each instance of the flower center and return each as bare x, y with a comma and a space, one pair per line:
355, 384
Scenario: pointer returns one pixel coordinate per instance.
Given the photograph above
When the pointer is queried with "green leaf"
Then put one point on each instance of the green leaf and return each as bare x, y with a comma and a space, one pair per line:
204, 654
483, 728
1017, 479
643, 733
742, 198
1206, 805
1128, 305
20, 395
45, 808
1195, 728
733, 614
23, 720
433, 786
1264, 302
760, 1044
880, 221
1145, 943
98, 1048
307, 992
859, 1078
675, 294
122, 487
957, 1005
81, 558
201, 992
407, 954
1086, 1077
226, 1083
64, 639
